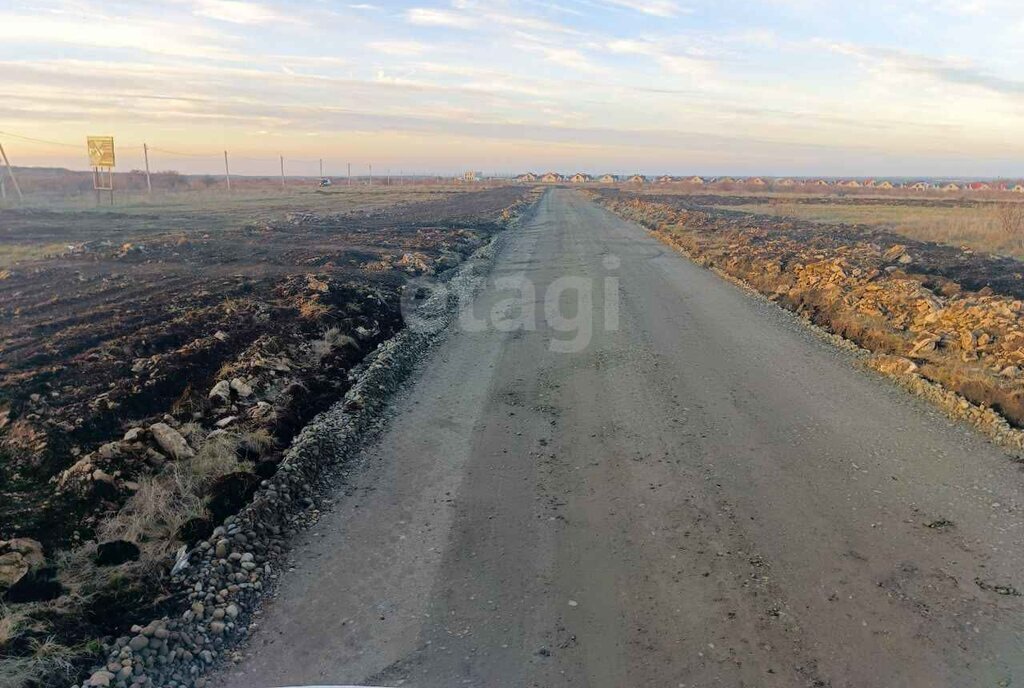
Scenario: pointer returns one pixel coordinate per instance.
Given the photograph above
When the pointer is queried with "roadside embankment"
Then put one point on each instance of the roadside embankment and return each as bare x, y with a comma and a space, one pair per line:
962, 348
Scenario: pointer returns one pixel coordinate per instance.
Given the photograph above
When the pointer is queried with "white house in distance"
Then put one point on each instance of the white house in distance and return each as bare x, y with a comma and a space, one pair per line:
580, 178
637, 179
551, 178
528, 177
607, 179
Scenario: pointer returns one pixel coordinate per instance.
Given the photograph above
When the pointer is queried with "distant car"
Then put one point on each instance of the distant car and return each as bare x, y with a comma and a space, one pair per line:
325, 182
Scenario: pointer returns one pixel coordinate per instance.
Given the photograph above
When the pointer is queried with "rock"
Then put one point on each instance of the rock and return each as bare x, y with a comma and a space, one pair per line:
171, 441
116, 552
892, 365
17, 557
217, 627
220, 336
133, 435
226, 421
138, 643
102, 476
100, 678
221, 393
241, 388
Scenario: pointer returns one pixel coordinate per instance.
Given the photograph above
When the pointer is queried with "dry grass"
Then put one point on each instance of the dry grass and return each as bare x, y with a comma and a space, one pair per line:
47, 661
12, 254
160, 506
979, 228
164, 502
331, 339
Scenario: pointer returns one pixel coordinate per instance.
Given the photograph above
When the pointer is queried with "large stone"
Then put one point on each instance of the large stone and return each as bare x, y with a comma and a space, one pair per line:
17, 557
240, 388
171, 441
26, 577
221, 393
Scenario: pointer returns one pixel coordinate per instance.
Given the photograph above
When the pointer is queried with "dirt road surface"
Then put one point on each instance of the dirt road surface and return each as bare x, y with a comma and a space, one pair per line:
707, 495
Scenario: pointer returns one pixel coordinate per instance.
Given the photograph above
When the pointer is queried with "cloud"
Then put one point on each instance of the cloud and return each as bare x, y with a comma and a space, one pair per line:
423, 16
97, 31
657, 8
238, 12
399, 48
946, 71
686, 65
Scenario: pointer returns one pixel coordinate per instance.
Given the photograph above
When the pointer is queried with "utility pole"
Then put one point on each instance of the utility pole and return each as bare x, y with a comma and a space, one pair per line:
321, 168
3, 189
227, 172
10, 171
282, 171
388, 182
371, 174
350, 174
145, 154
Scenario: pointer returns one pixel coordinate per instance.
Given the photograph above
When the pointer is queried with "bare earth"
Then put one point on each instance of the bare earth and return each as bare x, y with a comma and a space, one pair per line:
709, 495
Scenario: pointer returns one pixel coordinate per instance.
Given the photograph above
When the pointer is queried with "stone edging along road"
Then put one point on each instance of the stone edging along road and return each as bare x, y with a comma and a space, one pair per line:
222, 580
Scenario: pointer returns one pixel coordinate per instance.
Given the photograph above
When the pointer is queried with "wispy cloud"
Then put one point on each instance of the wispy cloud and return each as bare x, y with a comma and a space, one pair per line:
657, 8
239, 12
425, 16
400, 48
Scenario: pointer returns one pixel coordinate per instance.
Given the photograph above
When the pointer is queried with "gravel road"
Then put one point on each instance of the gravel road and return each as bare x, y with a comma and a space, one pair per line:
706, 494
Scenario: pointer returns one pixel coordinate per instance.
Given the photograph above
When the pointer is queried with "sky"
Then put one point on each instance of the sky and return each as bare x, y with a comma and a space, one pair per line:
769, 87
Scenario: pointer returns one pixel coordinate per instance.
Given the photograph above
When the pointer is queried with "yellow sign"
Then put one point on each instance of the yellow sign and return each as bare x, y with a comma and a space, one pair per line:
101, 151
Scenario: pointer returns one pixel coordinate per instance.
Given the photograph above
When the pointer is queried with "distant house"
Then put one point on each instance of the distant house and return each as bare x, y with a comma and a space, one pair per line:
725, 180
551, 178
819, 182
755, 181
849, 183
978, 186
1017, 188
884, 184
951, 186
580, 178
695, 180
785, 183
666, 179
869, 184
637, 179
919, 186
472, 176
529, 177
607, 179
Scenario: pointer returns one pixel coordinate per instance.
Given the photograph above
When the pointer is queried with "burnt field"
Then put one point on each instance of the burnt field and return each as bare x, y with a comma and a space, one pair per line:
154, 368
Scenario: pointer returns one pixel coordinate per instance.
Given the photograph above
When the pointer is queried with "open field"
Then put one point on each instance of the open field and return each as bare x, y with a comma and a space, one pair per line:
976, 226
155, 370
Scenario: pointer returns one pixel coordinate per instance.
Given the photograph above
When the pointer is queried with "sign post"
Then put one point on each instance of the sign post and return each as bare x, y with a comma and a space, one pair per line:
101, 158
